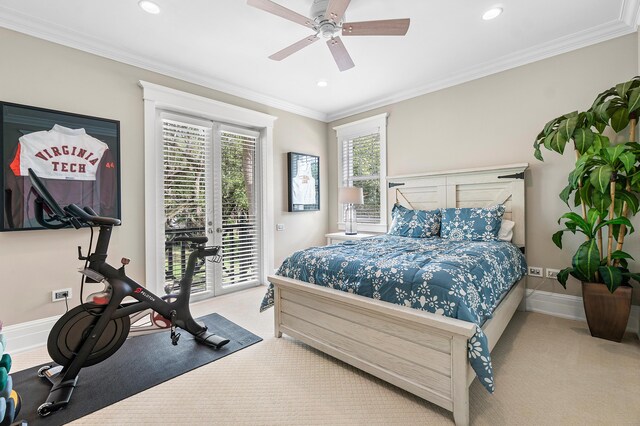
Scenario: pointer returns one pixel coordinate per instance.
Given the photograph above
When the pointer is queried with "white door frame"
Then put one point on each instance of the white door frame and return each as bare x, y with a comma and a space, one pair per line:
159, 99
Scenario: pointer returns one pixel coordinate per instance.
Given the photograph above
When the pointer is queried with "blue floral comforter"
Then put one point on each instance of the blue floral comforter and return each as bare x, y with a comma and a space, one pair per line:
459, 279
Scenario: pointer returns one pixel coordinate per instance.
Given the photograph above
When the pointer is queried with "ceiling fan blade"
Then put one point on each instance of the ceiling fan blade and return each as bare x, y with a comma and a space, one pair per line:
278, 56
336, 8
340, 54
281, 11
398, 27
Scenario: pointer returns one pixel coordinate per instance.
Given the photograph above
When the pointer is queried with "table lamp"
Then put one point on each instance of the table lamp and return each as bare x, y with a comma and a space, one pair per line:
348, 196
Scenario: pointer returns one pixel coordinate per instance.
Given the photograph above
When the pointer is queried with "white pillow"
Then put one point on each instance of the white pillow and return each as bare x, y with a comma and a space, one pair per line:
506, 230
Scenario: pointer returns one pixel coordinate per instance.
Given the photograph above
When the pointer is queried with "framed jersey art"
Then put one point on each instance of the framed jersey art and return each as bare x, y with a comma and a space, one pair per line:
304, 182
76, 156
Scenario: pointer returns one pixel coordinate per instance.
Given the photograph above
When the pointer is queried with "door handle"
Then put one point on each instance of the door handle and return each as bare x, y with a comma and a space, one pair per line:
219, 230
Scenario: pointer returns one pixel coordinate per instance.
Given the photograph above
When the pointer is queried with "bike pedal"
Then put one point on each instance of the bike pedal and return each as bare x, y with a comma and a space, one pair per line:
174, 338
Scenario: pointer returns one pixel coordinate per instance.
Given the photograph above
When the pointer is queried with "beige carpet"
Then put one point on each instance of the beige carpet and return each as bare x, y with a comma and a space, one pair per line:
548, 371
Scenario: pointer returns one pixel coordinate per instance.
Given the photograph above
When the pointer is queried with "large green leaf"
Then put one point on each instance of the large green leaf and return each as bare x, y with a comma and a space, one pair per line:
616, 221
557, 238
558, 142
620, 119
563, 276
622, 88
630, 198
601, 111
611, 276
566, 192
538, 154
578, 221
632, 275
628, 159
586, 193
550, 125
549, 139
634, 100
619, 254
583, 139
602, 96
576, 199
601, 177
592, 217
587, 260
600, 126
601, 201
613, 152
568, 126
600, 141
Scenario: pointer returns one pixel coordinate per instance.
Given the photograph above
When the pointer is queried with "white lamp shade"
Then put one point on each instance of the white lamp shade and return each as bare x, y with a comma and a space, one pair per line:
350, 195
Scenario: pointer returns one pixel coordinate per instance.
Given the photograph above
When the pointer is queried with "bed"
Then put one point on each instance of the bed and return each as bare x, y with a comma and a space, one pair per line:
425, 353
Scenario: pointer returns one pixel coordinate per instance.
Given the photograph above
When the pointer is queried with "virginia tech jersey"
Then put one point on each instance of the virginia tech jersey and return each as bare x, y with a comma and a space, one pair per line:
74, 166
59, 153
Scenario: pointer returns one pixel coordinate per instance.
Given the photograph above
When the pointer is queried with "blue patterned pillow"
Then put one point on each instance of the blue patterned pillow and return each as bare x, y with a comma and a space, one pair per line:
414, 223
472, 224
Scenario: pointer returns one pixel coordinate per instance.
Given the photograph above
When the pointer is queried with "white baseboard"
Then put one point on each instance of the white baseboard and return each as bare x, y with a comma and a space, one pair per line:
28, 335
570, 307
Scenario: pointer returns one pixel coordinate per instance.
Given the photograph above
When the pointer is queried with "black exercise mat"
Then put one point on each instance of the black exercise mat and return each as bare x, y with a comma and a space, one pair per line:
141, 363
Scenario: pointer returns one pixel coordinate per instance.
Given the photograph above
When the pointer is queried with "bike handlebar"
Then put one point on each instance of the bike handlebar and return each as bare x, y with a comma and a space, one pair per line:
90, 218
71, 215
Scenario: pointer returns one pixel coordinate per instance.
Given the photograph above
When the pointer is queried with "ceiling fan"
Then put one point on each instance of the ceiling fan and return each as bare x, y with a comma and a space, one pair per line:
327, 20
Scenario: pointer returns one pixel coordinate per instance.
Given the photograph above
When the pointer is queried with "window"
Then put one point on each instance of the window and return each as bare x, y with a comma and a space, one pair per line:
208, 169
362, 159
209, 173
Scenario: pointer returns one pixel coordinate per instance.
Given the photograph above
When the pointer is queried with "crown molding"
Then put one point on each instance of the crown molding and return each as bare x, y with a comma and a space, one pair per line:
628, 22
565, 44
17, 21
630, 13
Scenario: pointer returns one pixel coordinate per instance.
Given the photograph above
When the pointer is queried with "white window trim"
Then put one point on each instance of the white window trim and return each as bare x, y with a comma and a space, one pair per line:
159, 99
358, 128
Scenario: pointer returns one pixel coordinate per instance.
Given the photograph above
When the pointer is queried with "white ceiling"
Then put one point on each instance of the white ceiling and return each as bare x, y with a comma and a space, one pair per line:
224, 44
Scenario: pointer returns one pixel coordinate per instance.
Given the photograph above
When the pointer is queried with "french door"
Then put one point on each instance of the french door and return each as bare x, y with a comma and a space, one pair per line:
210, 171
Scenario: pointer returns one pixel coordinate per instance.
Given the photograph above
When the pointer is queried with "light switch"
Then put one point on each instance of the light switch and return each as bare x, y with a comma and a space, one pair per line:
280, 227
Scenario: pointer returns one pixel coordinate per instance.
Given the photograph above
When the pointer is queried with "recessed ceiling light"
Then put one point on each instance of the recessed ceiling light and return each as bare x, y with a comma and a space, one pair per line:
492, 13
149, 7
322, 83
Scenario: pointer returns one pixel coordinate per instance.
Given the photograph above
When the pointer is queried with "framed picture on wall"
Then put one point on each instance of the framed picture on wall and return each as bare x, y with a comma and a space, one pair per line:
304, 182
76, 156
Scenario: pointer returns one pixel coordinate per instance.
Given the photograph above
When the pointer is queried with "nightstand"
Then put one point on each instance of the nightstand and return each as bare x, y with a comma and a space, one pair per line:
336, 237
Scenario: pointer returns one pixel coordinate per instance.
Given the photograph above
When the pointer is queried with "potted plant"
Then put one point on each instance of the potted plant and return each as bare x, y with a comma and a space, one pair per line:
604, 183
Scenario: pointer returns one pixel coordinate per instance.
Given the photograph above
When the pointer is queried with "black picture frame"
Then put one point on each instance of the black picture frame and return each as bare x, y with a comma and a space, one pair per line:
304, 182
82, 176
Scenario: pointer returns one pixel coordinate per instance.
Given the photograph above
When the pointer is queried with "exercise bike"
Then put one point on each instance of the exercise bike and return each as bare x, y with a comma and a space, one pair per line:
92, 332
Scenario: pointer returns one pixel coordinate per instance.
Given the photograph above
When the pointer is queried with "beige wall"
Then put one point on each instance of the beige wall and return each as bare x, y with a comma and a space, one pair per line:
36, 72
493, 121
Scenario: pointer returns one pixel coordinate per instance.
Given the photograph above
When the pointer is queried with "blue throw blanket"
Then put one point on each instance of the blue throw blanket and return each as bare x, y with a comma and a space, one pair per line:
459, 279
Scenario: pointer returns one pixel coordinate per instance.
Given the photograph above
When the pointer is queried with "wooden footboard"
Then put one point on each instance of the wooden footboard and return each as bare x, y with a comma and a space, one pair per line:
423, 353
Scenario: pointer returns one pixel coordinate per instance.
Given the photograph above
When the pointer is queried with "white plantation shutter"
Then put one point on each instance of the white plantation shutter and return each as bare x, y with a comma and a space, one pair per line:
240, 238
187, 183
362, 155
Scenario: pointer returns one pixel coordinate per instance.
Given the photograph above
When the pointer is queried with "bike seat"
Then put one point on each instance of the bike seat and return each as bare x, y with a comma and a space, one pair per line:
194, 240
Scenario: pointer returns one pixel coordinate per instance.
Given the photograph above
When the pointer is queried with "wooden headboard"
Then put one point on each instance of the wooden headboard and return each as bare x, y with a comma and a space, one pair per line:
478, 187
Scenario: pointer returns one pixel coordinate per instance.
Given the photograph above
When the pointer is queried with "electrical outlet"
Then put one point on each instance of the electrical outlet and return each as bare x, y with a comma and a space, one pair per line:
552, 273
58, 295
535, 271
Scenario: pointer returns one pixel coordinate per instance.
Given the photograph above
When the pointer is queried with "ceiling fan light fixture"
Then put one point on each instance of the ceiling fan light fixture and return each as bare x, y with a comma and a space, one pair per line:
492, 13
149, 7
322, 83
